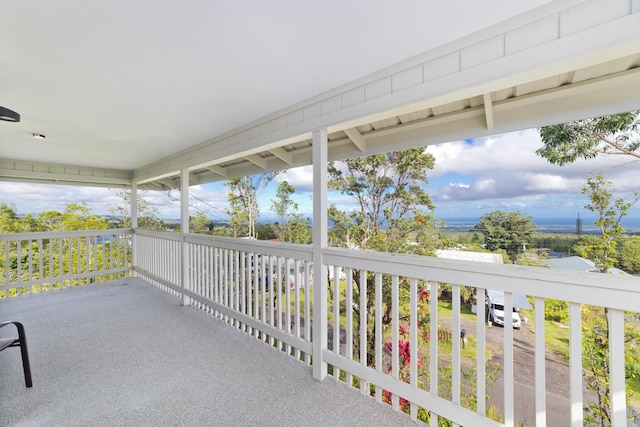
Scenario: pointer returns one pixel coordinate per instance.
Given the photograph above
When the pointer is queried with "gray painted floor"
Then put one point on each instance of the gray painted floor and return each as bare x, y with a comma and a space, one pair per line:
127, 354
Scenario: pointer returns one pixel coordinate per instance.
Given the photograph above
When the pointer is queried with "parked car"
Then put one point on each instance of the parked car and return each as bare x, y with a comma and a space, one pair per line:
496, 316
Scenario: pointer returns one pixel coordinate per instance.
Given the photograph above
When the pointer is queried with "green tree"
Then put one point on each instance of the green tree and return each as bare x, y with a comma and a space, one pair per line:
292, 226
147, 213
243, 199
601, 250
9, 221
510, 231
199, 223
284, 207
615, 134
392, 213
78, 216
629, 254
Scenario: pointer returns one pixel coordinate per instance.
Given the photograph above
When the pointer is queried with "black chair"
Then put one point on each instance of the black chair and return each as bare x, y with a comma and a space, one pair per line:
21, 341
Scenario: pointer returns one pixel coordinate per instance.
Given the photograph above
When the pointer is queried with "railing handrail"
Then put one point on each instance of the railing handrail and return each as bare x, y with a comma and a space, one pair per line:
607, 290
62, 234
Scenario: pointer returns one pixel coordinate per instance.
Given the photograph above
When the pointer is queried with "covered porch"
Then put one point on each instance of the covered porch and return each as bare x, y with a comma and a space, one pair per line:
185, 327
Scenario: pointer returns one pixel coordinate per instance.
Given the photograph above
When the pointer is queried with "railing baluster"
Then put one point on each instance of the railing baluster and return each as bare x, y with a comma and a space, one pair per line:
433, 347
509, 414
296, 301
455, 344
481, 384
575, 363
307, 308
349, 323
336, 318
540, 380
287, 303
379, 331
395, 324
413, 339
364, 385
617, 368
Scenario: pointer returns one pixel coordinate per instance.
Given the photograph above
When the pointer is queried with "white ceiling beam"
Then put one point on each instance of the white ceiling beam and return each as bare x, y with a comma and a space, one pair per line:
258, 161
283, 155
356, 137
488, 110
218, 170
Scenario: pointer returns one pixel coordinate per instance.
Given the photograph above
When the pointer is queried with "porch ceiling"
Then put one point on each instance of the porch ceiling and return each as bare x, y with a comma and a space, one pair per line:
139, 91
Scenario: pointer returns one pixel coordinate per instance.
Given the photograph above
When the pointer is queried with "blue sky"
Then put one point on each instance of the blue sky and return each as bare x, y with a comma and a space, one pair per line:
470, 178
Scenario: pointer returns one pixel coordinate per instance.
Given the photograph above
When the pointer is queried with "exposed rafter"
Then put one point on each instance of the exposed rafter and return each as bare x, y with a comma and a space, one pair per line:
356, 137
218, 170
283, 155
258, 161
488, 110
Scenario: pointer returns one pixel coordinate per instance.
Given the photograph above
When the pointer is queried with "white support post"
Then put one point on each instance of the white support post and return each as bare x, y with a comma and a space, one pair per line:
134, 205
184, 230
134, 223
320, 225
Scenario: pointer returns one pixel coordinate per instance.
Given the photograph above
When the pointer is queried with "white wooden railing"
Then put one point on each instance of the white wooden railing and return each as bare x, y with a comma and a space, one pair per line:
234, 280
39, 262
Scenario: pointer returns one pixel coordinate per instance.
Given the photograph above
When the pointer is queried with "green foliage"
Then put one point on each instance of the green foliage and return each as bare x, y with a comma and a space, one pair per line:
556, 310
602, 250
392, 213
390, 202
510, 231
243, 200
9, 222
200, 224
585, 139
147, 213
532, 257
292, 227
555, 242
629, 254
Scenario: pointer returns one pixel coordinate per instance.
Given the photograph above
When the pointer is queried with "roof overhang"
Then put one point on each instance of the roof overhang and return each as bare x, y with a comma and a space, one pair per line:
563, 61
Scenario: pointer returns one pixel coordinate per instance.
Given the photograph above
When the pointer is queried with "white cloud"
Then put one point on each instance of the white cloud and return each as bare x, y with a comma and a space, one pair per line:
301, 178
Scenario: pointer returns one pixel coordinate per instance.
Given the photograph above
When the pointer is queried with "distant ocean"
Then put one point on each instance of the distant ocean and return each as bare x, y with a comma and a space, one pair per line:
546, 226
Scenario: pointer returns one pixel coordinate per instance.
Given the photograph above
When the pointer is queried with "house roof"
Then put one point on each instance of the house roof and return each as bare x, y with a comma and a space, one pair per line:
137, 91
578, 264
469, 256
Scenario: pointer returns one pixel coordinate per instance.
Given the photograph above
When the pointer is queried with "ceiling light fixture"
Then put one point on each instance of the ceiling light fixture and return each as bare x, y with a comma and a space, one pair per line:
38, 136
9, 115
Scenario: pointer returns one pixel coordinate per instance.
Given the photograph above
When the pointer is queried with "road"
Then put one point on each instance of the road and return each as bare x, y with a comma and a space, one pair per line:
557, 375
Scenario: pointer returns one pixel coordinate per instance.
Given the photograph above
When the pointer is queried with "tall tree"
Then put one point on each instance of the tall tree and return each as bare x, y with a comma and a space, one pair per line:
243, 198
392, 212
199, 223
510, 231
615, 134
78, 216
610, 212
601, 251
147, 212
292, 227
9, 221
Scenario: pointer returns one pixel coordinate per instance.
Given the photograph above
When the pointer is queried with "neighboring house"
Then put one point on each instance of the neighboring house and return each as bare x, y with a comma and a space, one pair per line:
469, 256
578, 264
